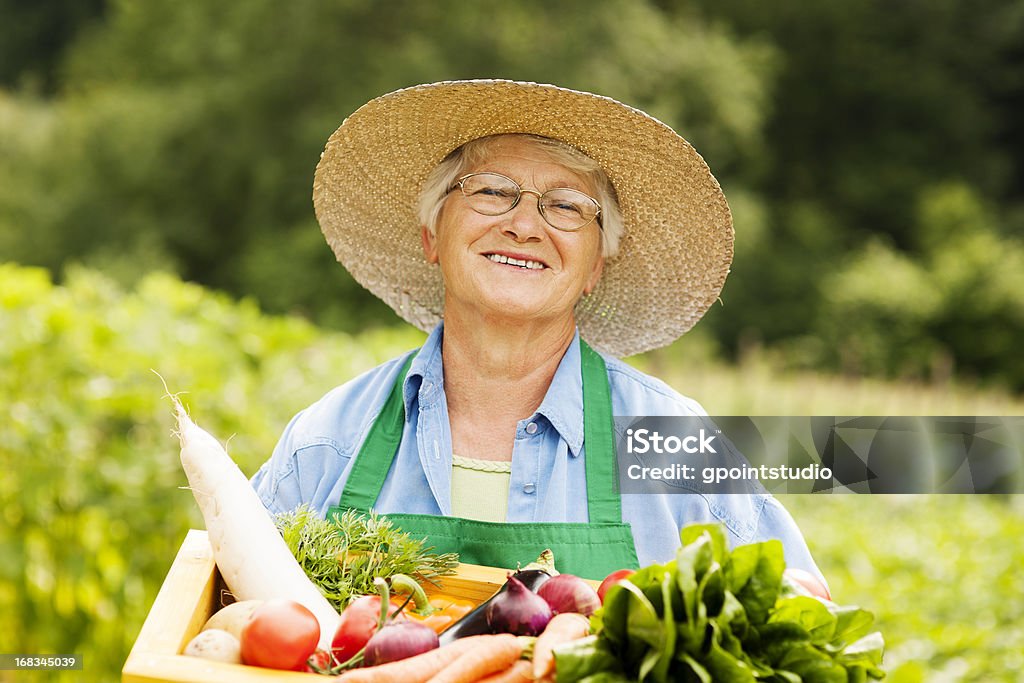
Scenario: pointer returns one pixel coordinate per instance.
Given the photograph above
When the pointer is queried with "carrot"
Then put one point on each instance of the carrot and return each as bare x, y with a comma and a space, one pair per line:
253, 558
561, 629
415, 669
495, 654
517, 673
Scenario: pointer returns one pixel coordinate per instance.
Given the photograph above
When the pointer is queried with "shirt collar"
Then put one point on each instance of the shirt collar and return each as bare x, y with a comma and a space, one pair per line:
563, 402
426, 373
562, 405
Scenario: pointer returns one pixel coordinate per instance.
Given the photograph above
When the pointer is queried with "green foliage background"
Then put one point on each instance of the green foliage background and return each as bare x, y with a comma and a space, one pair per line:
870, 151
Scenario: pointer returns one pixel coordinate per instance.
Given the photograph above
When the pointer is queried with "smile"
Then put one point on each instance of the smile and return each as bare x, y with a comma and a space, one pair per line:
529, 265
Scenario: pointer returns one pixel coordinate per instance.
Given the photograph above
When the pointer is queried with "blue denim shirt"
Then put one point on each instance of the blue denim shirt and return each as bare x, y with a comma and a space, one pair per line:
314, 456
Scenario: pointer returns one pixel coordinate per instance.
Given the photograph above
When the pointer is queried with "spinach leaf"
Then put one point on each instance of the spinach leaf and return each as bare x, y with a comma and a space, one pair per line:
760, 591
852, 623
810, 613
606, 677
716, 536
665, 654
813, 665
725, 666
584, 659
691, 670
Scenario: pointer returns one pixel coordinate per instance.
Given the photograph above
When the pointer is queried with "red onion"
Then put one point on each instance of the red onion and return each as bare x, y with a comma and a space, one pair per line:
568, 593
518, 611
398, 640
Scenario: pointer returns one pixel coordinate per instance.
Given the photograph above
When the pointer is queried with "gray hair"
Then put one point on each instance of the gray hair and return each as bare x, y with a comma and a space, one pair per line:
441, 179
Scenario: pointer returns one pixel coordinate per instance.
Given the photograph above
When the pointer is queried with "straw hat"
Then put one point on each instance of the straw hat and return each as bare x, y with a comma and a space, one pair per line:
678, 241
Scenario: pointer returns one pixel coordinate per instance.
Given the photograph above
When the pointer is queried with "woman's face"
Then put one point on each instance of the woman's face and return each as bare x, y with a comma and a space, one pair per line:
467, 244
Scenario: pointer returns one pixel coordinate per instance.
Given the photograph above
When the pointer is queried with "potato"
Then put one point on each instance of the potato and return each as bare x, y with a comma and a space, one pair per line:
233, 617
217, 645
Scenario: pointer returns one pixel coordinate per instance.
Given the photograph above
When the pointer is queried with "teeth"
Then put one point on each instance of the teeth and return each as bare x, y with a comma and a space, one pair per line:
530, 265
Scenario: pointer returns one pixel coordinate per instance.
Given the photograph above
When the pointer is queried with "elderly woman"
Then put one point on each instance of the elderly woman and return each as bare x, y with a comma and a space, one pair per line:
538, 234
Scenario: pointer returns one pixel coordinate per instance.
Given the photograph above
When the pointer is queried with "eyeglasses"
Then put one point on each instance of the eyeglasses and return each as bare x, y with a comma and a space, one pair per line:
493, 194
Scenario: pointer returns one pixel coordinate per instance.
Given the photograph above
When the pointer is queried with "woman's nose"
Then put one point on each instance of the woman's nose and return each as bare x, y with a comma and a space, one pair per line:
524, 222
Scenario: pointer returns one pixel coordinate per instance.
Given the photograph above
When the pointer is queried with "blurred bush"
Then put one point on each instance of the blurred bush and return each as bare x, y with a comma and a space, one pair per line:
875, 109
92, 499
886, 313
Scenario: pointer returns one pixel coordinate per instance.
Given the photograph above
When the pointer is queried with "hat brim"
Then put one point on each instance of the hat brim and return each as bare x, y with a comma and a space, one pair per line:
673, 257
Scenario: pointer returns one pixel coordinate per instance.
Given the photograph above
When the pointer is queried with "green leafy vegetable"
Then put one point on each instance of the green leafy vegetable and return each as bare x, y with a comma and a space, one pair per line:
342, 556
715, 616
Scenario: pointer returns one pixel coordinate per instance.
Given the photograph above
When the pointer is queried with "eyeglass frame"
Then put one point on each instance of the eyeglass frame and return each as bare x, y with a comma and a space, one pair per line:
540, 195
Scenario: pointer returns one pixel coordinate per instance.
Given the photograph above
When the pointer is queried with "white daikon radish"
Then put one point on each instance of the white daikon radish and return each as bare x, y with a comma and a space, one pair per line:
252, 556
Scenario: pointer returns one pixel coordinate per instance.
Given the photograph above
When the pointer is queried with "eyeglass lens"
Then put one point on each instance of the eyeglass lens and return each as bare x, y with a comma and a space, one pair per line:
563, 208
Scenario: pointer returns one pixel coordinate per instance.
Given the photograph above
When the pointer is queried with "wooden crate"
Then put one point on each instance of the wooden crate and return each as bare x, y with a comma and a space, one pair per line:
192, 592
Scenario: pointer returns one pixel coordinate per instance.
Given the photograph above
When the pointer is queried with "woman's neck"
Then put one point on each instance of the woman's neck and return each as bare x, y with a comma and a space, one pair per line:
497, 374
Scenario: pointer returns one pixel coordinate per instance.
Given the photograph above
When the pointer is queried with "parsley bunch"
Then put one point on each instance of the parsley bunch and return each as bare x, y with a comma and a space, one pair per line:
343, 556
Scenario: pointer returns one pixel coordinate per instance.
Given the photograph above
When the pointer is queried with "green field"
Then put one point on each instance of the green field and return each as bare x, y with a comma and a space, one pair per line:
93, 508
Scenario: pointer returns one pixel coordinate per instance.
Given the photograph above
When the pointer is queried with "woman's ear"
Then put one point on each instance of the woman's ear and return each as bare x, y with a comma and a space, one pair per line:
429, 244
595, 275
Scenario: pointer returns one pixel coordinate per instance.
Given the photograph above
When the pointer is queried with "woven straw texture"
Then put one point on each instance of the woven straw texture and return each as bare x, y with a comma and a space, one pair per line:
673, 258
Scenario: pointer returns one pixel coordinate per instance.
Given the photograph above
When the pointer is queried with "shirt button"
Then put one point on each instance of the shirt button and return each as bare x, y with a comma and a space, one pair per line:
531, 428
529, 488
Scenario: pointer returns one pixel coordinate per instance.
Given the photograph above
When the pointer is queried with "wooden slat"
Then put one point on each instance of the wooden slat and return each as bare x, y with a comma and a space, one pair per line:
471, 581
184, 601
182, 606
476, 582
181, 669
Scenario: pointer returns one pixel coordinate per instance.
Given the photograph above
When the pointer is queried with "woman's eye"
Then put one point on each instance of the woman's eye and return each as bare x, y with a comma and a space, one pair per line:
495, 192
566, 207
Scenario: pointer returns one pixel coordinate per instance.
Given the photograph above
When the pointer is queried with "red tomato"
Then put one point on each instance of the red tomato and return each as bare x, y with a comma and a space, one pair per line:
358, 622
280, 634
611, 580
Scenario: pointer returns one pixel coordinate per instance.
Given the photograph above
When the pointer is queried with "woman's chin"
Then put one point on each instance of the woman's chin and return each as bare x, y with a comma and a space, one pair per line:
518, 302
507, 307
514, 310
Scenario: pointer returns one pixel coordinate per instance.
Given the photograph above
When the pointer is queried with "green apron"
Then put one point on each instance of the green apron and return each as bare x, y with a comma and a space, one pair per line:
591, 550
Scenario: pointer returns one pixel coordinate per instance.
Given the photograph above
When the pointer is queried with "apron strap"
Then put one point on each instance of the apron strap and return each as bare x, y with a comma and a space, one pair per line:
379, 448
378, 451
603, 501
